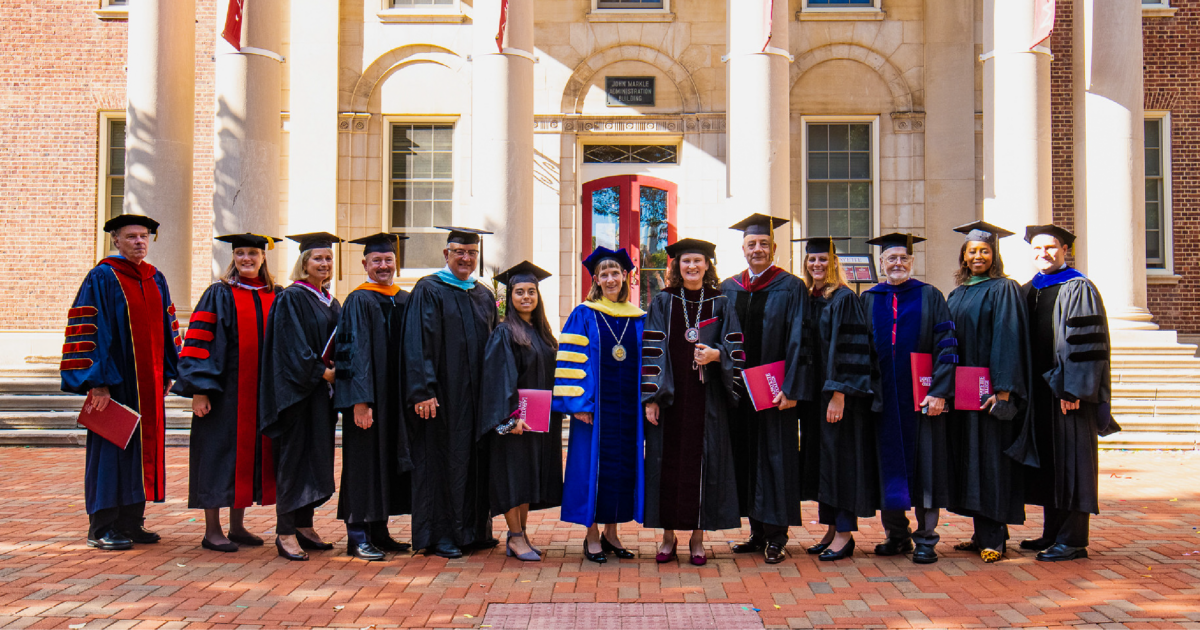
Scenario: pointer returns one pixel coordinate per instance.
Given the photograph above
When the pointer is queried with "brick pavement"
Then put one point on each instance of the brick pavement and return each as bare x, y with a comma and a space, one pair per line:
1139, 576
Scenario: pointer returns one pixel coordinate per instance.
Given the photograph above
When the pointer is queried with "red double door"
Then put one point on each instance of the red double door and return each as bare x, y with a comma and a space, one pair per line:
636, 212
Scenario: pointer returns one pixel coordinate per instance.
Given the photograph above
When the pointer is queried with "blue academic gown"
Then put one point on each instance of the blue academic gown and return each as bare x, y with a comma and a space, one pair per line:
605, 473
99, 352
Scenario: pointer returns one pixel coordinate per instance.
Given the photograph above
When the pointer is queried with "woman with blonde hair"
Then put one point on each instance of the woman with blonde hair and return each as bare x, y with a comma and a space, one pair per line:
837, 434
597, 381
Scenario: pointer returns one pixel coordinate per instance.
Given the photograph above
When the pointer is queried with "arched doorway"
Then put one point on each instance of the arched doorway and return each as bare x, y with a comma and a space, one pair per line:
636, 212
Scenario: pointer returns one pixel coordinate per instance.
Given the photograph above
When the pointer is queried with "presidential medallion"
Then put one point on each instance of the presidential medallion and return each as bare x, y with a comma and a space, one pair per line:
618, 352
692, 335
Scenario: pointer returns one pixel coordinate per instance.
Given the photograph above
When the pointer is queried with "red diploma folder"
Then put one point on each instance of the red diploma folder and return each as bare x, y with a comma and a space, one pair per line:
115, 424
764, 383
972, 386
534, 408
922, 377
327, 353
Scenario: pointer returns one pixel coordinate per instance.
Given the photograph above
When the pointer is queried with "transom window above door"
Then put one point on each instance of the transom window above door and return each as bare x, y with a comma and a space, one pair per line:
630, 154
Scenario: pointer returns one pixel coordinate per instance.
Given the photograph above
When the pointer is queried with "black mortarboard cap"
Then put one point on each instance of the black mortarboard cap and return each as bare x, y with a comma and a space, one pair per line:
896, 239
381, 242
315, 240
466, 236
523, 271
249, 240
1063, 236
123, 220
691, 246
759, 224
820, 244
600, 253
983, 232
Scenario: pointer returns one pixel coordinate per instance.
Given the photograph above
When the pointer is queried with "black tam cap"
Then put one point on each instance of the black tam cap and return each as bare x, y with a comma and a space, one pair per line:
691, 246
759, 224
315, 240
1063, 236
465, 236
983, 232
382, 242
249, 240
523, 271
124, 220
820, 244
896, 239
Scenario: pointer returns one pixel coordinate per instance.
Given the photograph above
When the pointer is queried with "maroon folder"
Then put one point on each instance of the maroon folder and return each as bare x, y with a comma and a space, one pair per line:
115, 424
922, 377
534, 408
972, 386
764, 383
327, 353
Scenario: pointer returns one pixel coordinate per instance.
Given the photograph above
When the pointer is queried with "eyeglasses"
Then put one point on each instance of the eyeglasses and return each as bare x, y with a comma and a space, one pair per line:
465, 253
894, 259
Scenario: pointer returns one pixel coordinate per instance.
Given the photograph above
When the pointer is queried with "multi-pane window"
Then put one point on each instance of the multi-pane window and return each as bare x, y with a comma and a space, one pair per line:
629, 4
841, 3
114, 198
839, 182
1156, 197
404, 4
422, 190
630, 154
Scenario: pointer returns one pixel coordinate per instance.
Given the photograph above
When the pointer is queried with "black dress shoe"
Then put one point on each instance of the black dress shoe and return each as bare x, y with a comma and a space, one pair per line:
483, 543
211, 546
754, 545
894, 547
1059, 552
817, 548
774, 553
1036, 544
390, 544
365, 551
846, 551
141, 536
286, 555
246, 540
619, 552
445, 549
110, 540
924, 554
594, 557
308, 543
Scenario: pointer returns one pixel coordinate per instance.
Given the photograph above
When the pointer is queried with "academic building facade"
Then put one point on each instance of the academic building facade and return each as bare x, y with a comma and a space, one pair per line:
623, 123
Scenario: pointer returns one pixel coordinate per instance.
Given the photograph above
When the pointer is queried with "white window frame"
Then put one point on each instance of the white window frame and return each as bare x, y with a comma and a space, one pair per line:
666, 8
105, 118
408, 275
391, 14
1162, 8
112, 10
874, 8
1167, 272
798, 248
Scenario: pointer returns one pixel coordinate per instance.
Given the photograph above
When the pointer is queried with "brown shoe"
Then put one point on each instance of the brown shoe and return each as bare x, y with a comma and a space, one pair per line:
774, 553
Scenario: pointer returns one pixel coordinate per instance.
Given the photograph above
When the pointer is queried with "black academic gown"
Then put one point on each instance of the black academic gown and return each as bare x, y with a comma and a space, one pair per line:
1070, 349
839, 458
526, 468
914, 458
445, 333
295, 408
375, 461
766, 444
707, 472
992, 329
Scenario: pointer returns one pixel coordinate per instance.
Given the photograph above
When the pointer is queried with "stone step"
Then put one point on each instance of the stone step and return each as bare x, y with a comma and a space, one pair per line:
1150, 440
1156, 391
1155, 376
29, 385
1142, 362
1179, 350
1170, 423
66, 402
73, 437
31, 420
1156, 407
30, 370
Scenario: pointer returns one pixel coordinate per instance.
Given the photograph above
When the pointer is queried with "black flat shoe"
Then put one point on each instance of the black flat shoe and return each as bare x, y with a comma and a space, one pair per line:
924, 554
1036, 544
286, 555
1059, 552
445, 549
246, 540
141, 536
365, 551
894, 547
390, 544
774, 553
110, 540
846, 551
754, 545
620, 552
211, 546
817, 548
594, 557
308, 543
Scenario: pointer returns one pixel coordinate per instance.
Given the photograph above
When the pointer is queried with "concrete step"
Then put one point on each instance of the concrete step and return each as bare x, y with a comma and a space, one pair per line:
66, 402
53, 420
29, 385
1141, 362
1156, 407
1141, 375
30, 370
1156, 391
1135, 422
1150, 440
73, 437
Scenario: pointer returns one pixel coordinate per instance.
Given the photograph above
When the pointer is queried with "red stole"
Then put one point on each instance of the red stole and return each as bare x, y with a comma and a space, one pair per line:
146, 328
760, 282
247, 404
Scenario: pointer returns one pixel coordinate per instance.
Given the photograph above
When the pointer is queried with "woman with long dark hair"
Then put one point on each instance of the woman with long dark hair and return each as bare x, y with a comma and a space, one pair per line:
230, 463
525, 467
693, 352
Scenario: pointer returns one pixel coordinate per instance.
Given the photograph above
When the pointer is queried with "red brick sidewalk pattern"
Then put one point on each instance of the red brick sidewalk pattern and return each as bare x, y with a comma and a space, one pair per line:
1143, 573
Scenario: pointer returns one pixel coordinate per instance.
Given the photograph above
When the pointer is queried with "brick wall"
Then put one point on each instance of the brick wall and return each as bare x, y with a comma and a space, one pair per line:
1062, 117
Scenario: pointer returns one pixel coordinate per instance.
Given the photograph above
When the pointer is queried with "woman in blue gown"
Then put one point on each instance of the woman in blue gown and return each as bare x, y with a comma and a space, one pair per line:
597, 381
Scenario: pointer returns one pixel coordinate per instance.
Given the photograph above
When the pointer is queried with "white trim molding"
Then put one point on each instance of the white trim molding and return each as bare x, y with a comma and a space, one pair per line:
1159, 9
421, 14
112, 11
827, 13
658, 14
1163, 275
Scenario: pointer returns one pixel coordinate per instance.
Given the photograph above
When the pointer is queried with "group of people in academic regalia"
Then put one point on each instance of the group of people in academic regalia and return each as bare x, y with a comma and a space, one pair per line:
874, 411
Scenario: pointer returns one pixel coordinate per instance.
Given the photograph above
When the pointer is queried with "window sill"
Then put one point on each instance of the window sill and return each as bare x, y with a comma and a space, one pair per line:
840, 15
1160, 11
616, 15
1160, 277
404, 16
112, 13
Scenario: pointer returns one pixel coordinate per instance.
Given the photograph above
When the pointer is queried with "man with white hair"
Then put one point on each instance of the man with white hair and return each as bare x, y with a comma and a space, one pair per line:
122, 345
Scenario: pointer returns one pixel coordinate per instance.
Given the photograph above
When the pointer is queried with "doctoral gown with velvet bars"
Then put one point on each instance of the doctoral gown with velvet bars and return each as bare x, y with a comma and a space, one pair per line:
690, 483
445, 333
102, 326
914, 459
1070, 351
229, 460
992, 328
295, 407
376, 482
526, 468
766, 444
840, 458
605, 473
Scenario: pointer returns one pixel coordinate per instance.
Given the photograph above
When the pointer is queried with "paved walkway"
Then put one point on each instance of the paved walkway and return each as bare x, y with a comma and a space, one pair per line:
1144, 571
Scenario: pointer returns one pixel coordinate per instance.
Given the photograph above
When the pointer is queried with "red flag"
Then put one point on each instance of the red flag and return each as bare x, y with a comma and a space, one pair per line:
1043, 21
768, 22
503, 25
233, 24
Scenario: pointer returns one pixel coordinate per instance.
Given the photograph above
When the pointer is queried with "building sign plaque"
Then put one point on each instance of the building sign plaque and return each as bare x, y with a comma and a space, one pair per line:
629, 91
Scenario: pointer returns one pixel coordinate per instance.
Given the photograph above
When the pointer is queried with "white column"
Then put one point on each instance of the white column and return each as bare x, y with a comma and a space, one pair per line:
160, 119
502, 133
248, 91
758, 129
1016, 129
1110, 203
